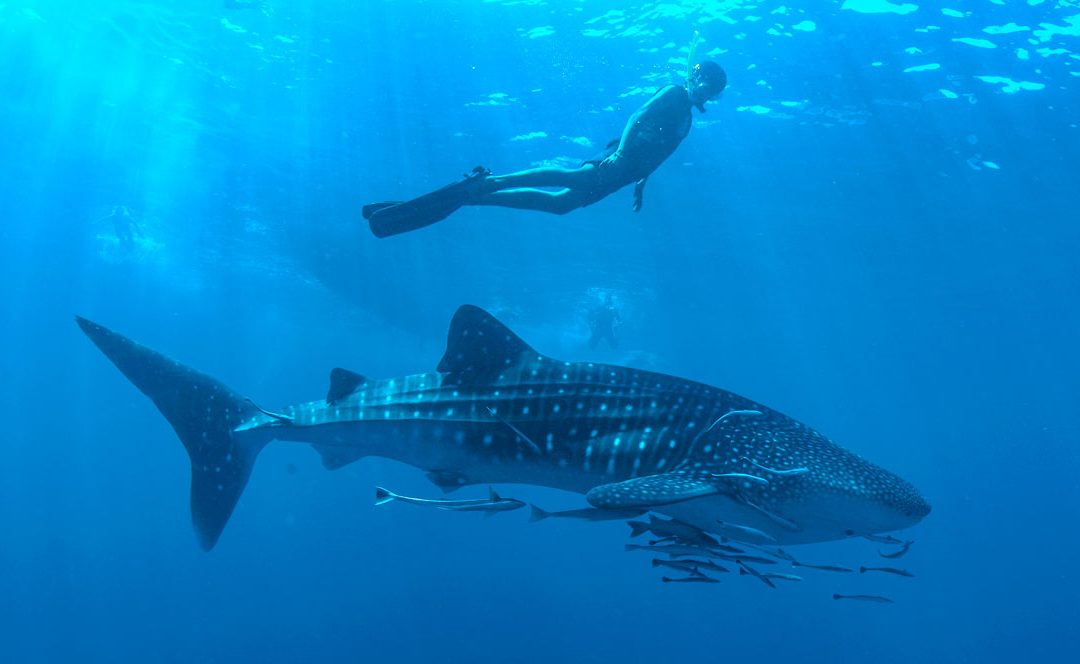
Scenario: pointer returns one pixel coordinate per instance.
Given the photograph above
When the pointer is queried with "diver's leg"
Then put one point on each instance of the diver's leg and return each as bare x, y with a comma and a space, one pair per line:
546, 176
579, 187
555, 202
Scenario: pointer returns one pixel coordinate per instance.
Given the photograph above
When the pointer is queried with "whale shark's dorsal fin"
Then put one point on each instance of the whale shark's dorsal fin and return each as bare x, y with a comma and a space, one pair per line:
479, 347
342, 383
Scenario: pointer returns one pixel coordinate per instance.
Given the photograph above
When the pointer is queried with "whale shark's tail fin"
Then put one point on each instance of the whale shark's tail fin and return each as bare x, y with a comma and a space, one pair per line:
204, 414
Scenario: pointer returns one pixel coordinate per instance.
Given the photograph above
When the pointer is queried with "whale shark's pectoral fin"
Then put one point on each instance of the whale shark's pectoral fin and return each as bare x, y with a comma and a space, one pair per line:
342, 383
653, 490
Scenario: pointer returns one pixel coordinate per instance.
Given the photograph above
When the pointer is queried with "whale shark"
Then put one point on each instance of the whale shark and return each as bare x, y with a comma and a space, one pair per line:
497, 411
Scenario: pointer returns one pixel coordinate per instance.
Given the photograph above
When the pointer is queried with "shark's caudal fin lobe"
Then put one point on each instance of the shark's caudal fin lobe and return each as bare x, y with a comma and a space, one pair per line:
204, 413
342, 383
638, 528
383, 496
479, 347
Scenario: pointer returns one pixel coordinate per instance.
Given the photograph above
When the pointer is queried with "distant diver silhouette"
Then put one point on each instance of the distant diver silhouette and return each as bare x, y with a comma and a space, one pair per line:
602, 322
125, 227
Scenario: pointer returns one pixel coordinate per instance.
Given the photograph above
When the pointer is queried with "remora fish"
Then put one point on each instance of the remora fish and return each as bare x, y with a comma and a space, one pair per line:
781, 575
744, 570
769, 575
899, 552
881, 539
697, 578
687, 565
493, 503
584, 514
739, 533
864, 598
498, 411
682, 532
888, 570
824, 568
672, 550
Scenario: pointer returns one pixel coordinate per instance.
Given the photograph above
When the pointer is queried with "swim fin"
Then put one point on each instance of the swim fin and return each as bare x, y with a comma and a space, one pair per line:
393, 219
372, 208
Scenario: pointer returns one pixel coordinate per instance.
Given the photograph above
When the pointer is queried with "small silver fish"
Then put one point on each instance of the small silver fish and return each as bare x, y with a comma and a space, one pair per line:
896, 554
780, 575
684, 532
775, 552
701, 578
880, 539
772, 575
584, 514
689, 565
678, 540
745, 569
740, 557
864, 598
727, 548
824, 568
755, 535
687, 550
673, 550
888, 570
493, 503
780, 553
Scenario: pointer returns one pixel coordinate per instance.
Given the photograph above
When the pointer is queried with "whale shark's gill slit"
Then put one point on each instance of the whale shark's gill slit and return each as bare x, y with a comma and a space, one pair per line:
278, 417
693, 444
533, 447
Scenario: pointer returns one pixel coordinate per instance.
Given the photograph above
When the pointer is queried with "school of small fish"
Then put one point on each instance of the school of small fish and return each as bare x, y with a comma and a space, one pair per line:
689, 550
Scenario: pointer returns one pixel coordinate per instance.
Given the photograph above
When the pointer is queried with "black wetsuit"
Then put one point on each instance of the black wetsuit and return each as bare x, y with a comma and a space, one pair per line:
651, 135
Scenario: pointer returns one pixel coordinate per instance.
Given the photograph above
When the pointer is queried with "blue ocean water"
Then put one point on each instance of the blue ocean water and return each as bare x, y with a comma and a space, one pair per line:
874, 230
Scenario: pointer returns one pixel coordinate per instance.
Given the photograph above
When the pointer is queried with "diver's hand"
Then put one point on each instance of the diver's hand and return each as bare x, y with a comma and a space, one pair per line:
639, 191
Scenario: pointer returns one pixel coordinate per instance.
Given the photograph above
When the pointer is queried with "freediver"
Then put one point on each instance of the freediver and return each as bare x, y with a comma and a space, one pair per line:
651, 135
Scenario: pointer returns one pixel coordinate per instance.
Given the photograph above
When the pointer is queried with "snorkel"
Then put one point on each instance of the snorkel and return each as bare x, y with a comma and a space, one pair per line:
691, 52
690, 59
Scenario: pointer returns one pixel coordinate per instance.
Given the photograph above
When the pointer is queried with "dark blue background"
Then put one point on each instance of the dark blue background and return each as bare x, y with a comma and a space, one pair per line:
849, 260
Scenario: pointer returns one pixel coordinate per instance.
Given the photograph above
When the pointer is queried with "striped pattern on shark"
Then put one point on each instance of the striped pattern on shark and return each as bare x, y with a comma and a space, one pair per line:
496, 410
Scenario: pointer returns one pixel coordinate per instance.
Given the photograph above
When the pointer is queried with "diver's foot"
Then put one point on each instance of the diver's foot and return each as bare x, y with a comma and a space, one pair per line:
371, 208
478, 172
476, 184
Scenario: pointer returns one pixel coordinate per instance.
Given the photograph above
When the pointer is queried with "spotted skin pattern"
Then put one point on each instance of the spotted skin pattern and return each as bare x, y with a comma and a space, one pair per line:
496, 410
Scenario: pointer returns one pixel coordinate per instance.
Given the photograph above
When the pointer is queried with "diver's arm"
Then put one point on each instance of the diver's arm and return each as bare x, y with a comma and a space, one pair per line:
639, 191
